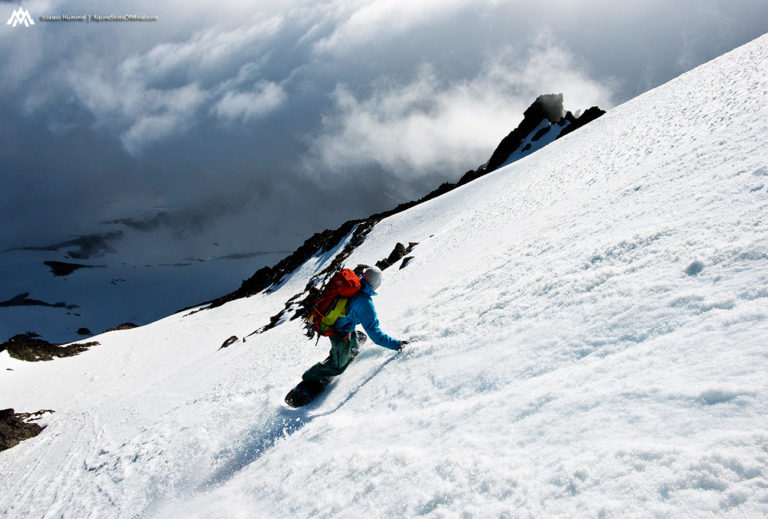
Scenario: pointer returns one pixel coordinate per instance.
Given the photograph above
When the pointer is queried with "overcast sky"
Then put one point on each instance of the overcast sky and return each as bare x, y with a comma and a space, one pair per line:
261, 120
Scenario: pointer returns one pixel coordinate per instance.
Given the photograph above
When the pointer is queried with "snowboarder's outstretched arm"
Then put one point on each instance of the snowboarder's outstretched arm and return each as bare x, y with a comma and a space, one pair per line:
366, 313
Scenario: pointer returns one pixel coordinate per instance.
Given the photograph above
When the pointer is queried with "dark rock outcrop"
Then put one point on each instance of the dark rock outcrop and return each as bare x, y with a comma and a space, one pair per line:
589, 115
228, 342
406, 261
547, 107
29, 347
396, 255
60, 268
124, 326
15, 427
24, 300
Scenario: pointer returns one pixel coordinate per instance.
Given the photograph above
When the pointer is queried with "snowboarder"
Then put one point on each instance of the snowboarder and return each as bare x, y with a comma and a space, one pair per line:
344, 341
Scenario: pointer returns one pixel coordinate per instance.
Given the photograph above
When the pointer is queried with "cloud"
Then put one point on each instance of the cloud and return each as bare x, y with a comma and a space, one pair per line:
210, 53
431, 125
147, 96
244, 106
163, 113
551, 68
259, 102
368, 22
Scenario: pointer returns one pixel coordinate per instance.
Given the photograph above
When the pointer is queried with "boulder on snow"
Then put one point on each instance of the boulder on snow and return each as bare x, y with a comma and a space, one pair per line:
124, 326
228, 342
14, 427
30, 348
396, 255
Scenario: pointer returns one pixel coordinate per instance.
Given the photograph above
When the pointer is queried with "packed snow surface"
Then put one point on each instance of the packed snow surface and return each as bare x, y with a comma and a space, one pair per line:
589, 332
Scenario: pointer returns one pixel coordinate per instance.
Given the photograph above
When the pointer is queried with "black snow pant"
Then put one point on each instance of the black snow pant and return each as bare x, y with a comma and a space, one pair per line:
337, 361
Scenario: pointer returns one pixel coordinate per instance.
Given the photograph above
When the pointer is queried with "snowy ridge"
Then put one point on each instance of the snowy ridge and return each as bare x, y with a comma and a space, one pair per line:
543, 122
589, 327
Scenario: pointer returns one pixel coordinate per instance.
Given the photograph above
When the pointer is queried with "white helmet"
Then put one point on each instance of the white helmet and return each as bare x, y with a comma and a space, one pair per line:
373, 276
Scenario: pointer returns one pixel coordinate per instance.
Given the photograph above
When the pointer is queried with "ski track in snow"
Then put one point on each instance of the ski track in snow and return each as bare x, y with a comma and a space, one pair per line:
589, 329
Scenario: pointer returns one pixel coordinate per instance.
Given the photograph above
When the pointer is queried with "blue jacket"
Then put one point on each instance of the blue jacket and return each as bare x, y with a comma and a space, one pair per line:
360, 310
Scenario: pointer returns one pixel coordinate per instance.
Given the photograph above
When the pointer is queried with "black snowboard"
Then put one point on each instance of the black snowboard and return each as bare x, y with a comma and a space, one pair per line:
305, 392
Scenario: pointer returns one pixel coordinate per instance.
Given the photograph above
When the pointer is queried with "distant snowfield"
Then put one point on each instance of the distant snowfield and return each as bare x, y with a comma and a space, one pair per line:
127, 292
590, 332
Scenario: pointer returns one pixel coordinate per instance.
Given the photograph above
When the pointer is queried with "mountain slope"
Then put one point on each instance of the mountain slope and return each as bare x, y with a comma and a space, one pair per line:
543, 122
589, 327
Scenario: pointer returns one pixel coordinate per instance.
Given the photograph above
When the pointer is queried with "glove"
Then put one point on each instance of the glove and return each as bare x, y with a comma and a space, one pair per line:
403, 343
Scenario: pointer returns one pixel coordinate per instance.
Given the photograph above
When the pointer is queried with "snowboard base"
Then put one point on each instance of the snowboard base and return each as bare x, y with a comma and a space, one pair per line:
305, 392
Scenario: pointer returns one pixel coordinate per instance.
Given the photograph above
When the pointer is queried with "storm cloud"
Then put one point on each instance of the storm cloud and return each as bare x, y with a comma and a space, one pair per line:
254, 123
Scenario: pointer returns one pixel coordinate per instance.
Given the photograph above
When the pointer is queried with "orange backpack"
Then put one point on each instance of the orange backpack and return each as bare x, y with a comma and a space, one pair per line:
332, 302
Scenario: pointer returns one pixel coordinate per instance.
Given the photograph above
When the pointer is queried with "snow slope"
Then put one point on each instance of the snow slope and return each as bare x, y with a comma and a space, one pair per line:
589, 329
